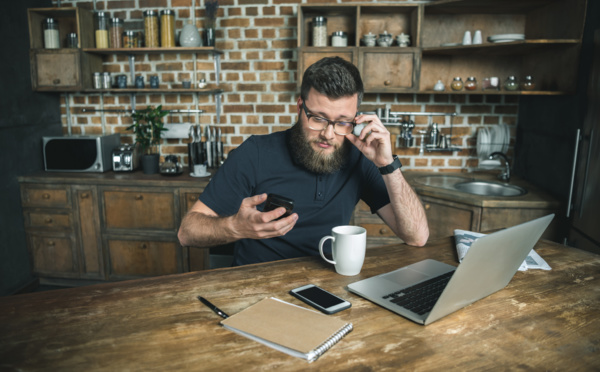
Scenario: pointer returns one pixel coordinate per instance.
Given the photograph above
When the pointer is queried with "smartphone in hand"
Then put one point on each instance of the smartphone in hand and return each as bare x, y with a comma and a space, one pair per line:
275, 201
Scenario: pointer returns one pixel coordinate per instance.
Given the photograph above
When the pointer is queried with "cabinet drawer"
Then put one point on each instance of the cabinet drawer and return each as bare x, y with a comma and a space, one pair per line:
53, 255
385, 71
48, 220
140, 210
133, 258
45, 197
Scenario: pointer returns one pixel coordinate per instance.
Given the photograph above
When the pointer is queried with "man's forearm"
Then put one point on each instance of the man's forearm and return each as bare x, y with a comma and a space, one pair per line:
201, 230
410, 218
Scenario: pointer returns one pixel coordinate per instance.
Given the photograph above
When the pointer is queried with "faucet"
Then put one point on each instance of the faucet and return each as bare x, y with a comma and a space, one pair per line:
505, 176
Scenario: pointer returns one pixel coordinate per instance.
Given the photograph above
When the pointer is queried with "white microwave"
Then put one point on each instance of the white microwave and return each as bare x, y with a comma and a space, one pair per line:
79, 153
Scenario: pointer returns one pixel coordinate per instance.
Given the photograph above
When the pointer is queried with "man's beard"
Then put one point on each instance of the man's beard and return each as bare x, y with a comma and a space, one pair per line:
314, 160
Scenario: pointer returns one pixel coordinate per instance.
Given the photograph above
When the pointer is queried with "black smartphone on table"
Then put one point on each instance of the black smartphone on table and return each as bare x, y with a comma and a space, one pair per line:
320, 299
275, 201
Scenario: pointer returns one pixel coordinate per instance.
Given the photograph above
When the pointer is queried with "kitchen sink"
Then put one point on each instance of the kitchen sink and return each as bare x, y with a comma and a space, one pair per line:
487, 188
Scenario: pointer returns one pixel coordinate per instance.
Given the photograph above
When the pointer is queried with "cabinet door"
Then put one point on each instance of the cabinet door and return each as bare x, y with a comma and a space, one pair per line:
45, 196
198, 258
92, 265
444, 216
308, 56
56, 70
388, 71
53, 255
137, 258
140, 209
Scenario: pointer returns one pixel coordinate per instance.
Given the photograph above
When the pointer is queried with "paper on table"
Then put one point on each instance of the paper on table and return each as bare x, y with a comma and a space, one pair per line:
463, 240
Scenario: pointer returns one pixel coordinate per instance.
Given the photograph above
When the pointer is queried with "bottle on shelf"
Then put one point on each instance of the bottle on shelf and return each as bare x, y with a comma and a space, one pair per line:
101, 32
528, 83
511, 83
51, 37
457, 84
471, 83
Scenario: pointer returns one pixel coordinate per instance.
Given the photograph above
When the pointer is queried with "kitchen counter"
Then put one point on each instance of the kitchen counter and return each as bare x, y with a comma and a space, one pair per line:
534, 198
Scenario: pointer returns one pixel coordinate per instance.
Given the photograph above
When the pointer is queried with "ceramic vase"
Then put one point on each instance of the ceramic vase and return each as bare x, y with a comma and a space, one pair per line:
189, 36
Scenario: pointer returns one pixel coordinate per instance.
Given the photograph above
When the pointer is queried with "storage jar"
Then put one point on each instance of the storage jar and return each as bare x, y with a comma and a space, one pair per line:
511, 83
457, 84
130, 39
151, 28
167, 28
528, 83
116, 30
101, 28
471, 83
339, 39
51, 38
319, 31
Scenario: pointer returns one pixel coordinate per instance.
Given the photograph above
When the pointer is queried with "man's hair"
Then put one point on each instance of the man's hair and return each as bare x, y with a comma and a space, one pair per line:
333, 77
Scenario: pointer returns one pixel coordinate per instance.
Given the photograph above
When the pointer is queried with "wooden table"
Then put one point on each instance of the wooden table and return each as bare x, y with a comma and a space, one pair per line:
543, 320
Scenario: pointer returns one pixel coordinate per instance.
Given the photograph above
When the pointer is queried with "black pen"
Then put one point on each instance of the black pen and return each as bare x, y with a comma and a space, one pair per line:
213, 307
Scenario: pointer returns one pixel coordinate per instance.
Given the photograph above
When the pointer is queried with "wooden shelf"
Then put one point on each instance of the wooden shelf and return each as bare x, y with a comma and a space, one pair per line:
173, 50
159, 90
513, 47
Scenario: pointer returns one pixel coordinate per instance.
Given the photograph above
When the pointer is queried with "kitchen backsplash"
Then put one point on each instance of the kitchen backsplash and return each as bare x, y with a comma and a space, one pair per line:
258, 76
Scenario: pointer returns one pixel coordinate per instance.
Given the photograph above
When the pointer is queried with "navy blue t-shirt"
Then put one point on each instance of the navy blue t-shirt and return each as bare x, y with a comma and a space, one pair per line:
264, 164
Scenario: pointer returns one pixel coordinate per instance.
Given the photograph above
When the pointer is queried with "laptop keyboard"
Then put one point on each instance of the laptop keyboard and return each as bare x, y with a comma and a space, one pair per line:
421, 297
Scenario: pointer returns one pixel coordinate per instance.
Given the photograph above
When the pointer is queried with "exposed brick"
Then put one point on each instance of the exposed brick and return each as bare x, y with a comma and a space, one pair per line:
476, 109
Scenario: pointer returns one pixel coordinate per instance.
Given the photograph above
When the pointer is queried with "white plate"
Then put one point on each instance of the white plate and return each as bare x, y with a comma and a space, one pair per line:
450, 44
506, 37
200, 175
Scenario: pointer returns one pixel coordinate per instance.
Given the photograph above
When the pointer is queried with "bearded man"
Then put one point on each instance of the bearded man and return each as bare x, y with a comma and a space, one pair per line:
320, 164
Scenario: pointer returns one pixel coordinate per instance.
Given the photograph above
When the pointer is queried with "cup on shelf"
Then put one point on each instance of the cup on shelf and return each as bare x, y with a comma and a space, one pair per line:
477, 38
467, 40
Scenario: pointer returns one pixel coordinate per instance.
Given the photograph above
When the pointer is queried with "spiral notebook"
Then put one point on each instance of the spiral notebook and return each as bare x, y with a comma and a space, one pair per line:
292, 329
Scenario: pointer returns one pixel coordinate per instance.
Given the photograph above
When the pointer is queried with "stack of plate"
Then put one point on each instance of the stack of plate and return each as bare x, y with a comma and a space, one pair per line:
505, 38
493, 140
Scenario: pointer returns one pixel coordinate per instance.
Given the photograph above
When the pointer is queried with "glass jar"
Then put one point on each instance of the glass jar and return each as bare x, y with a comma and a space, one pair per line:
106, 80
319, 31
151, 28
51, 38
471, 83
97, 80
167, 28
511, 83
130, 39
528, 83
72, 40
339, 39
116, 30
101, 28
457, 84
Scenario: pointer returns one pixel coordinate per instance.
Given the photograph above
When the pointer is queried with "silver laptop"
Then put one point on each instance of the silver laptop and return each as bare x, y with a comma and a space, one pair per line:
489, 265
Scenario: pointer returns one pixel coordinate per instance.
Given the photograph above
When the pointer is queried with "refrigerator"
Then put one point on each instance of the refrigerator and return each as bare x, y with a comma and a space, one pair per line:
583, 207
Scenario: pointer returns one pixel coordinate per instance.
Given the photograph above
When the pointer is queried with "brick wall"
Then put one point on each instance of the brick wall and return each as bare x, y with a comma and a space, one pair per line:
258, 74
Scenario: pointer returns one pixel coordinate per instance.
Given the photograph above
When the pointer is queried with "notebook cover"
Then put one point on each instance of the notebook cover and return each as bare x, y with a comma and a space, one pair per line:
304, 333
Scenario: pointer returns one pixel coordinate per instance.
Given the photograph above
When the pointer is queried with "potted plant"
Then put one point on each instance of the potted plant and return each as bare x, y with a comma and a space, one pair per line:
148, 127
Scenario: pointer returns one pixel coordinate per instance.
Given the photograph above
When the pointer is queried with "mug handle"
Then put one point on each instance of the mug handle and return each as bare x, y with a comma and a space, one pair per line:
323, 240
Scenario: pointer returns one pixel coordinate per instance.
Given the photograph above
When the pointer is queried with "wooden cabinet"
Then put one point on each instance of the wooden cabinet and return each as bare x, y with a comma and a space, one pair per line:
85, 228
549, 52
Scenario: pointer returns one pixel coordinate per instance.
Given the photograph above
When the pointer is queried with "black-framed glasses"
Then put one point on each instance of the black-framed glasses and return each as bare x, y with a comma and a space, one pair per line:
319, 123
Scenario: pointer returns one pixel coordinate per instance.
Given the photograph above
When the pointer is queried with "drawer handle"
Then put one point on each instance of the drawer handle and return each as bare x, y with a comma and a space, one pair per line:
387, 82
56, 81
139, 197
46, 196
193, 198
383, 231
427, 206
48, 220
51, 243
143, 246
85, 195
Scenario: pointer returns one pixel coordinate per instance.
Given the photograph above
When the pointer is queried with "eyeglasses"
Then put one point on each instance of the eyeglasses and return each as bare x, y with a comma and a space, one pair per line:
319, 123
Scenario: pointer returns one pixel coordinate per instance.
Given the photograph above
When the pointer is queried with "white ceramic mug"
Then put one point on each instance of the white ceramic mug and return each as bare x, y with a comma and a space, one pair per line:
348, 245
199, 169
